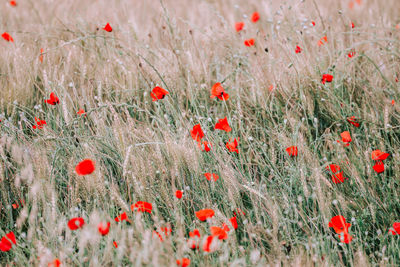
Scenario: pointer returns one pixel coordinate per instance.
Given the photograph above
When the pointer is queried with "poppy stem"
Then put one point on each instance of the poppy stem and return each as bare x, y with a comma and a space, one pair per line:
229, 75
319, 14
158, 74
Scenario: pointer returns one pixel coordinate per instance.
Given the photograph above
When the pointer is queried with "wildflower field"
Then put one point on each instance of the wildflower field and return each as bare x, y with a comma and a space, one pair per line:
200, 133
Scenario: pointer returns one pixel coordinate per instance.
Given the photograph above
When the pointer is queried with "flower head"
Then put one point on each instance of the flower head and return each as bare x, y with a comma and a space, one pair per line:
76, 223
107, 28
203, 215
85, 167
158, 93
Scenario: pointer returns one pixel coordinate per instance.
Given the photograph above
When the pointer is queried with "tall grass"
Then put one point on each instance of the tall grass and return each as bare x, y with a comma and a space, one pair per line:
143, 149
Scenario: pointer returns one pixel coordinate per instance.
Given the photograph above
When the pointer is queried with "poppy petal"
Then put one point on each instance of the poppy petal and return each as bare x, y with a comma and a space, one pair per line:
85, 167
204, 214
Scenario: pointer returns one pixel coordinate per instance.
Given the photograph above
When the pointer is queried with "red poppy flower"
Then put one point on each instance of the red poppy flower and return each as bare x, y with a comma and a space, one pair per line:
197, 133
352, 25
396, 229
166, 230
322, 41
184, 262
345, 237
333, 168
115, 244
346, 138
379, 155
255, 17
223, 125
239, 212
81, 112
353, 120
76, 223
379, 167
393, 102
16, 205
6, 36
39, 124
142, 206
5, 244
107, 28
209, 244
104, 228
195, 233
158, 93
178, 194
298, 49
338, 223
203, 215
326, 78
233, 221
232, 146
351, 54
53, 100
249, 42
13, 3
205, 146
193, 244
212, 176
225, 227
292, 151
219, 232
313, 23
239, 26
194, 239
218, 91
337, 177
41, 55
85, 167
155, 233
122, 217
55, 263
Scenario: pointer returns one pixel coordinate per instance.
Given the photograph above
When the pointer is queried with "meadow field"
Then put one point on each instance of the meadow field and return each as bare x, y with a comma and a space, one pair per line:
200, 133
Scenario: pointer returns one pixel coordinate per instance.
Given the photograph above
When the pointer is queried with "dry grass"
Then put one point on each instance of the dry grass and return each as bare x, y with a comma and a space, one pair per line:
143, 149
